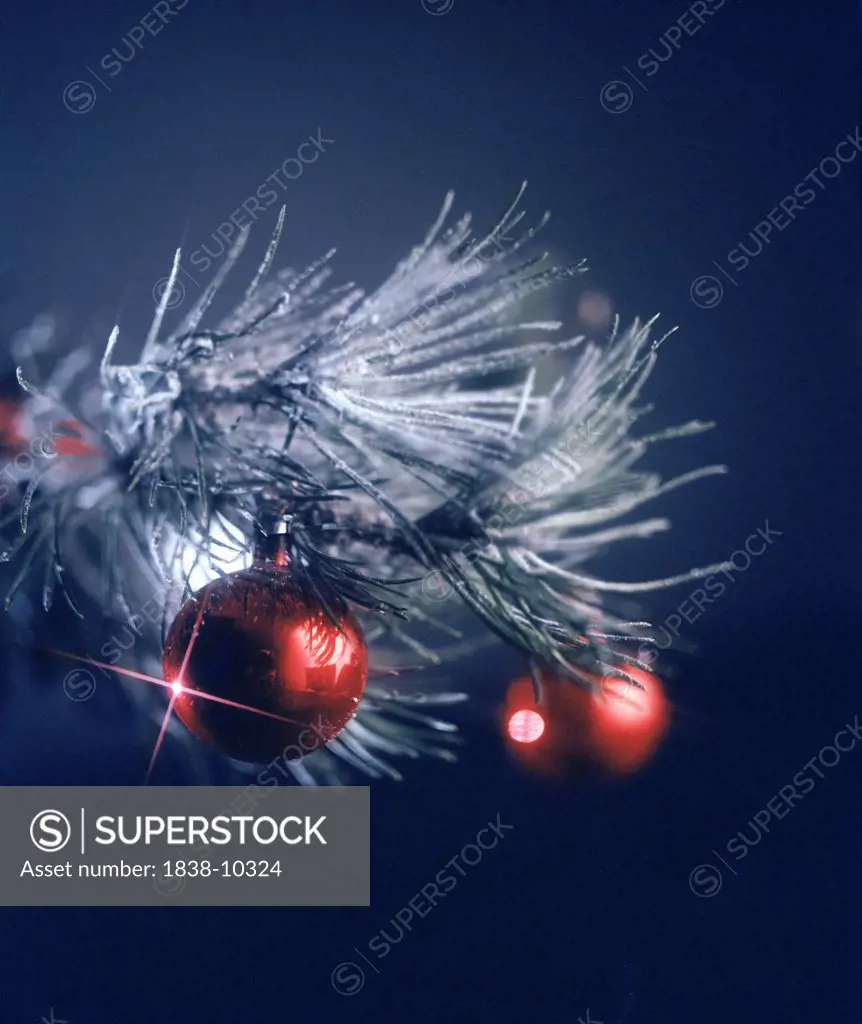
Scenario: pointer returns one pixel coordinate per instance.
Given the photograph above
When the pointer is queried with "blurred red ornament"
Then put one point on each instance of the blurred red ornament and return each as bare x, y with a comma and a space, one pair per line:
70, 442
628, 720
595, 310
549, 737
11, 437
62, 438
617, 726
278, 677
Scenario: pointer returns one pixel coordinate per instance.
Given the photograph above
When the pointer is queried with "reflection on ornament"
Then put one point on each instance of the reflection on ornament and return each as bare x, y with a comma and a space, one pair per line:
616, 727
277, 676
526, 726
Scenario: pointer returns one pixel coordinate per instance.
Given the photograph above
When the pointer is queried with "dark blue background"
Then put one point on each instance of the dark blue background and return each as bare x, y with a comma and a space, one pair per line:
591, 878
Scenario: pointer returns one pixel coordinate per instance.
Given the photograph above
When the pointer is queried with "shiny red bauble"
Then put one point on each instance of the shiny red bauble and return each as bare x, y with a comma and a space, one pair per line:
628, 720
548, 737
616, 726
259, 670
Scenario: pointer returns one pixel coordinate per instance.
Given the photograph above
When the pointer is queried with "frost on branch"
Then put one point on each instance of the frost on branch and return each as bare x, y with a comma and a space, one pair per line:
380, 424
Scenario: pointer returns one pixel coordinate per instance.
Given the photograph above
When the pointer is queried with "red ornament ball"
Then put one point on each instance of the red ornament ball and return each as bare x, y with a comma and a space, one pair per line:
548, 737
259, 670
628, 720
616, 727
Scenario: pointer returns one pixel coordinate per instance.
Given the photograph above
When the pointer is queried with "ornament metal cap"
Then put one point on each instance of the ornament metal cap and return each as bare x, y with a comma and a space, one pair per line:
271, 545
